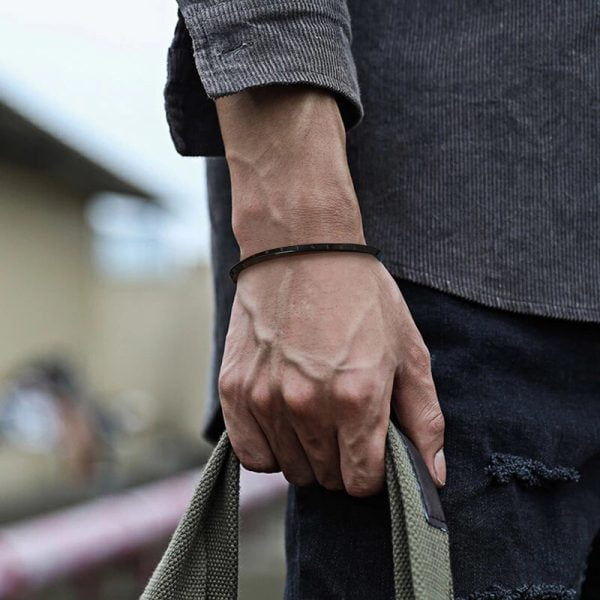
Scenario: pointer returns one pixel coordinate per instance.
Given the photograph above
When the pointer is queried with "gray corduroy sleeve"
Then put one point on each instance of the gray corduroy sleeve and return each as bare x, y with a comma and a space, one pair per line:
245, 43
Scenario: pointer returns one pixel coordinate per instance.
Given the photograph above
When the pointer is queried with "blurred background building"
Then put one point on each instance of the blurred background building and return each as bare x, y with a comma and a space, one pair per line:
90, 289
105, 309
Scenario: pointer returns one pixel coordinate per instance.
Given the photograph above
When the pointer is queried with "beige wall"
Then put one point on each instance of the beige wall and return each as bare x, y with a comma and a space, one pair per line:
43, 268
154, 338
150, 339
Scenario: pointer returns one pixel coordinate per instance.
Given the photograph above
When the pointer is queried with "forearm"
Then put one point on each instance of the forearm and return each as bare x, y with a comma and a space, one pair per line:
317, 348
286, 151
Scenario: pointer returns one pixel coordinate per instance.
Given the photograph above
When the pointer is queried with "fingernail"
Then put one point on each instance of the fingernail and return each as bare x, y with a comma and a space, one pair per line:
439, 466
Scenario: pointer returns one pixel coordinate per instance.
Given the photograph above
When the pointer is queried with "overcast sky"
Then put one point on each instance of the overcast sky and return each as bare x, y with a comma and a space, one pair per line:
93, 73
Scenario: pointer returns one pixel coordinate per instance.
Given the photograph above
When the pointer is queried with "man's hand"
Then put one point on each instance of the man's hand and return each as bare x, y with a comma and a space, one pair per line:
319, 344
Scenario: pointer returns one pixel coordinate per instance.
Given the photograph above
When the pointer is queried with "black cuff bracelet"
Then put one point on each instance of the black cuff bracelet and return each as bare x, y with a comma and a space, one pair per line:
267, 254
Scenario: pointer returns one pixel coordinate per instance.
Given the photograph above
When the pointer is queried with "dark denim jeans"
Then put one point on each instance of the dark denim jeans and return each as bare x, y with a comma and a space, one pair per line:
521, 398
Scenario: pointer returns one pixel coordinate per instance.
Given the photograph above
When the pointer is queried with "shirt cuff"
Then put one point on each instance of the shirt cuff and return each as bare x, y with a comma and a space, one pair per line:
245, 43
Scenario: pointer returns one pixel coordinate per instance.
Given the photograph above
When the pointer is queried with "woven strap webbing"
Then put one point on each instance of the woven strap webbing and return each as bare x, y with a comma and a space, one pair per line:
201, 561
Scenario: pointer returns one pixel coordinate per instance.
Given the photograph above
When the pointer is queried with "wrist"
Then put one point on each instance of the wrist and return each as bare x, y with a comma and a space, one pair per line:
290, 180
300, 228
262, 122
279, 214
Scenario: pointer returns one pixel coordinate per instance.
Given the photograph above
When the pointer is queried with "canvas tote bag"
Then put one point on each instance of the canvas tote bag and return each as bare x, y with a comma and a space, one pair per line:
201, 561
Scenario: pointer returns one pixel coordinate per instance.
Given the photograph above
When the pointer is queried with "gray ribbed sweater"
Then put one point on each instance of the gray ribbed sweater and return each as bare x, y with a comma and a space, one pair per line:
473, 129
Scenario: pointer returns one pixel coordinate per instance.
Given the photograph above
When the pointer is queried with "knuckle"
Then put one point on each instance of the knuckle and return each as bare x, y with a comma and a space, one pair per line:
428, 423
320, 457
437, 424
299, 479
257, 464
354, 394
433, 420
298, 390
300, 400
261, 402
228, 385
362, 488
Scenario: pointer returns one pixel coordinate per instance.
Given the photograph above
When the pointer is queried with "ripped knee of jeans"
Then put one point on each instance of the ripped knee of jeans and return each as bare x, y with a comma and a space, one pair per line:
504, 468
526, 592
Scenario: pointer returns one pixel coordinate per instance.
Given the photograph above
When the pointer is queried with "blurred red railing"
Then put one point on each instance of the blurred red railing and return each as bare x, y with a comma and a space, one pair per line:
61, 545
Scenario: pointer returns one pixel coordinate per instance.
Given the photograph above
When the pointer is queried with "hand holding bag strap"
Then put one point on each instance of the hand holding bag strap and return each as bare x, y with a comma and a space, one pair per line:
201, 561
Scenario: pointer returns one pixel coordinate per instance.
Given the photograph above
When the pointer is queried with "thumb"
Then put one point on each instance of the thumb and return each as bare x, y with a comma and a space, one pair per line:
420, 417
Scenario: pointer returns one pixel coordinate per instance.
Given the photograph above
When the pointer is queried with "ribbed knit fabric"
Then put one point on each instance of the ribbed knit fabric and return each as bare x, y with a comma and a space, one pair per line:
473, 129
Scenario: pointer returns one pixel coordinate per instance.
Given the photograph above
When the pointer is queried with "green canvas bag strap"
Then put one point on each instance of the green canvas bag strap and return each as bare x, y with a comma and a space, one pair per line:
419, 533
201, 560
